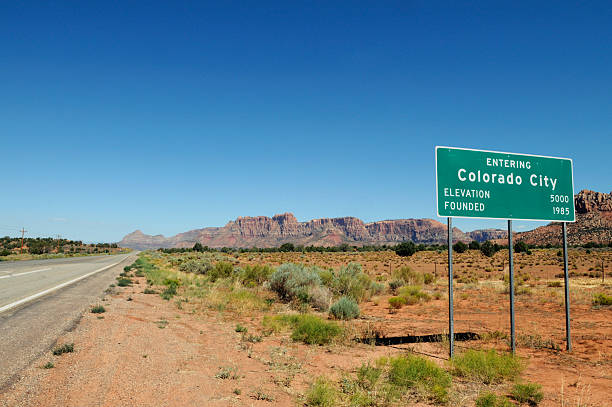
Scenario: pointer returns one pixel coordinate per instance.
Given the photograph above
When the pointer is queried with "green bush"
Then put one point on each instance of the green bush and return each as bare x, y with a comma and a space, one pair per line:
65, 348
487, 248
405, 249
521, 247
98, 309
394, 285
474, 245
222, 269
420, 375
489, 399
326, 276
530, 393
351, 281
196, 266
321, 394
486, 366
460, 247
345, 308
313, 330
124, 282
376, 288
412, 277
397, 302
602, 299
171, 288
294, 282
413, 294
307, 328
252, 276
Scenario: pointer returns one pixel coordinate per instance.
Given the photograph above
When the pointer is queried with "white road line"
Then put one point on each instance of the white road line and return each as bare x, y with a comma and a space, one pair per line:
49, 290
22, 274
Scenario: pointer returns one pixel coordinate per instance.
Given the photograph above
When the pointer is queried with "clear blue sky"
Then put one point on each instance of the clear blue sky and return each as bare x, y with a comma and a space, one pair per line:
170, 116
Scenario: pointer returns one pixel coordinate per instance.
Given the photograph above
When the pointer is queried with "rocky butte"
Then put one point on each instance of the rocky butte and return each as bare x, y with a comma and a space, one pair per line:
593, 223
263, 231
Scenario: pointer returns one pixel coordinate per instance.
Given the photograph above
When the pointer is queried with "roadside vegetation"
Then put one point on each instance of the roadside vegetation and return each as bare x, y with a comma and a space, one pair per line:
11, 248
323, 300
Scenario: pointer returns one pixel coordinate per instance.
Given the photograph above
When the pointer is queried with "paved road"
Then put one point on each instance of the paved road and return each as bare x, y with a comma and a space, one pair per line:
41, 299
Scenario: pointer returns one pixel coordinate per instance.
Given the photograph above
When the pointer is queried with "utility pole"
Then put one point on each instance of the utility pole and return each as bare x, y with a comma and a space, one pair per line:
59, 237
23, 231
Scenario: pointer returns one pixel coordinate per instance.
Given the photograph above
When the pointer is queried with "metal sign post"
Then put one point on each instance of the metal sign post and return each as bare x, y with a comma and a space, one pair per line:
451, 329
567, 299
496, 185
511, 280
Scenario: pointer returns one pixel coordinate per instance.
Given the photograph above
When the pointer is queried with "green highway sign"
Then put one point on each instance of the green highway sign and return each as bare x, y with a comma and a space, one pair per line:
491, 184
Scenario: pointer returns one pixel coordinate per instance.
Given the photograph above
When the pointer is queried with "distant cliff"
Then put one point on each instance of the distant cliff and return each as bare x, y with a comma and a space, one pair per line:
593, 215
593, 222
263, 231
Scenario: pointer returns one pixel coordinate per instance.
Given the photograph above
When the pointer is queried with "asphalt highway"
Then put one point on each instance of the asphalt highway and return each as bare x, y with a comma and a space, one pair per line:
41, 299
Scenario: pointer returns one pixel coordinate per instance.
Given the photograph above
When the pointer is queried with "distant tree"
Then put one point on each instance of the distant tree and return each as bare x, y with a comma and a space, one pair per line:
474, 245
460, 247
286, 247
487, 248
405, 249
198, 247
521, 247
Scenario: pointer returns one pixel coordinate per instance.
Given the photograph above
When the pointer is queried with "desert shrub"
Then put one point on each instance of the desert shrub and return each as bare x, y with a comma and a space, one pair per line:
602, 299
239, 300
394, 285
65, 348
253, 276
412, 294
171, 288
307, 328
124, 282
326, 276
412, 277
405, 249
488, 399
376, 288
321, 394
222, 269
196, 266
293, 282
530, 393
345, 308
555, 284
351, 281
319, 297
423, 376
474, 245
97, 309
397, 302
486, 366
460, 247
313, 330
487, 248
521, 247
